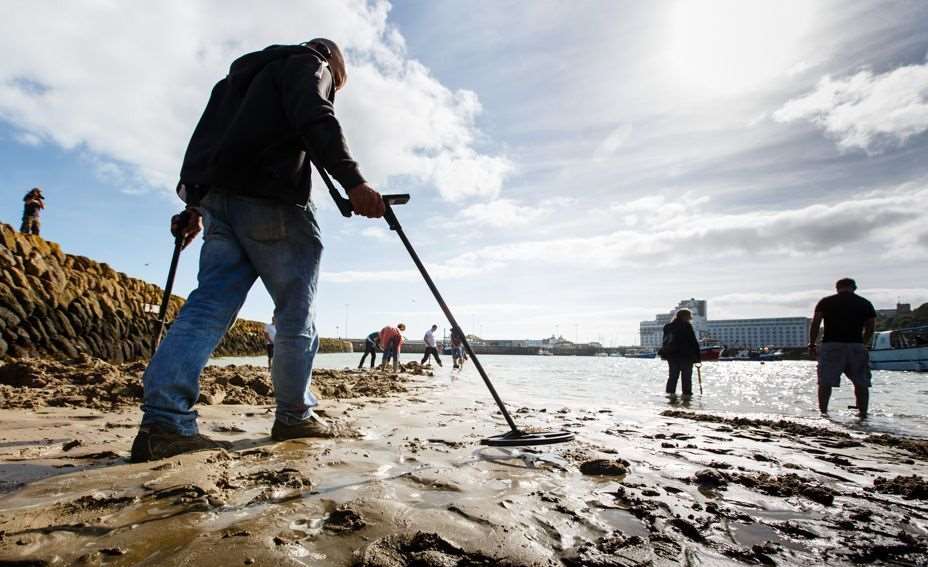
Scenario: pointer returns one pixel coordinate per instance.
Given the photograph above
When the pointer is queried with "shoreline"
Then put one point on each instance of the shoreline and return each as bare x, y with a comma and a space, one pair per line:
414, 486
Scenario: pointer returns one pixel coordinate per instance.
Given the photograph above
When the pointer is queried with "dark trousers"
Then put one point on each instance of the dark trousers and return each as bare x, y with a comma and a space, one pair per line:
680, 367
369, 349
430, 350
30, 225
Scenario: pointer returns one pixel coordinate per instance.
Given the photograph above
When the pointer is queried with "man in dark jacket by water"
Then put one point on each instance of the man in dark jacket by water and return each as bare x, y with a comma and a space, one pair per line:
849, 323
681, 350
246, 171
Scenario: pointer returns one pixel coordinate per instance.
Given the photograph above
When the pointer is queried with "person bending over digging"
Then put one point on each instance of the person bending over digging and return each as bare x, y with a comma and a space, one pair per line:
391, 339
246, 174
849, 322
430, 347
371, 346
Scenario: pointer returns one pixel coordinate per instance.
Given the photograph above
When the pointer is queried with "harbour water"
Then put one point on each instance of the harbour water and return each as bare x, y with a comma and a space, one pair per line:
745, 388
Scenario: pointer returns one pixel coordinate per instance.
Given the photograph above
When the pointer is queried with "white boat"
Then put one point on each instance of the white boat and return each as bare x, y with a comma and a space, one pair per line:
901, 349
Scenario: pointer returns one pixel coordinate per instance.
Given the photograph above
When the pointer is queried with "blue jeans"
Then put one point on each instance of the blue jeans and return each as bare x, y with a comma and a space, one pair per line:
244, 239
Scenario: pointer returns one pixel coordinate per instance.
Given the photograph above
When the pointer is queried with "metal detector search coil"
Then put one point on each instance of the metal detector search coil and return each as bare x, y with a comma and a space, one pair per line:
513, 438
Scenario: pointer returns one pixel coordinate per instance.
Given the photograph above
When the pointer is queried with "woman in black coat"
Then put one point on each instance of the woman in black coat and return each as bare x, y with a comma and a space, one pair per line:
681, 350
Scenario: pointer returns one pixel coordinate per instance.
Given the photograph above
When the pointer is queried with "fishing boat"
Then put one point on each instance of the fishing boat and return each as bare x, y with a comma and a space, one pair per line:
740, 355
640, 354
763, 355
710, 352
901, 349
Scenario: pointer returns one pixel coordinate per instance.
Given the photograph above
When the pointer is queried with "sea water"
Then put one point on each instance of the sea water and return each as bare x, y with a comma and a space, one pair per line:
744, 388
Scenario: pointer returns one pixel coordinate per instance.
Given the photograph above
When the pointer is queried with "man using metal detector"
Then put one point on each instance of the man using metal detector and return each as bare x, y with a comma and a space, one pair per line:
246, 173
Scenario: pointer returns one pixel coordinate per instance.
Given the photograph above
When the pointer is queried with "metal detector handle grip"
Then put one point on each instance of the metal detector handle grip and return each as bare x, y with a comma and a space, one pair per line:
343, 204
388, 214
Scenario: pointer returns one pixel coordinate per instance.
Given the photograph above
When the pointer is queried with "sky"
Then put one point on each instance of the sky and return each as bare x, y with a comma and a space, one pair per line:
574, 168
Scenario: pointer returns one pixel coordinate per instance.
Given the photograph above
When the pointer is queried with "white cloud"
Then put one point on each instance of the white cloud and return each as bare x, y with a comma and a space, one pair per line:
866, 111
611, 144
128, 85
463, 266
804, 301
886, 221
376, 233
508, 213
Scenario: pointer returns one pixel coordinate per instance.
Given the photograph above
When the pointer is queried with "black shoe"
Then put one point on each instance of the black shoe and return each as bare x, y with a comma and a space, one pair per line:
312, 427
155, 442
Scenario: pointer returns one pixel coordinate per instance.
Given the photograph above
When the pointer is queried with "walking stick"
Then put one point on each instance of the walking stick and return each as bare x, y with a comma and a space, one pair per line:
699, 376
513, 438
166, 297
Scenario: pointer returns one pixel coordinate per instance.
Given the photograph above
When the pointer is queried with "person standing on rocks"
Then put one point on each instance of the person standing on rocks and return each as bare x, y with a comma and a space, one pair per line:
371, 345
270, 332
391, 339
33, 203
246, 172
431, 348
849, 322
681, 350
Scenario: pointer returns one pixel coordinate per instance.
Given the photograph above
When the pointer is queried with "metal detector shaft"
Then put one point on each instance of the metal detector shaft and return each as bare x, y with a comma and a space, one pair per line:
166, 297
395, 226
344, 206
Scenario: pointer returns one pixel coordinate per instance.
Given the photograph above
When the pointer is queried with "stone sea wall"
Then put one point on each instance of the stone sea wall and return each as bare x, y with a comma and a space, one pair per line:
54, 304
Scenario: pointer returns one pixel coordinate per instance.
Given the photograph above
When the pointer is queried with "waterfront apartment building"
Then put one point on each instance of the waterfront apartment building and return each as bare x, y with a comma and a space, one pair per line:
746, 333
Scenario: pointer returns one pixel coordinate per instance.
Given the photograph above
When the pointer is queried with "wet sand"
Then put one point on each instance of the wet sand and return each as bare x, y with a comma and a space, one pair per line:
409, 484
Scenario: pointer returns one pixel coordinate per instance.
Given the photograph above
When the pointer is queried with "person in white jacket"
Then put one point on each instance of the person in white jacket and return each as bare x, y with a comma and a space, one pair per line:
430, 348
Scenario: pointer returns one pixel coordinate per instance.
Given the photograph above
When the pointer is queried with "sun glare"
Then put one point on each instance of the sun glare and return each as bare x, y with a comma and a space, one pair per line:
730, 46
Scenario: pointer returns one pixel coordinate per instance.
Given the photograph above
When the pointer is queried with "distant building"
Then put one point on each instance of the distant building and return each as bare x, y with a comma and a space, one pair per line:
901, 309
756, 333
747, 333
652, 332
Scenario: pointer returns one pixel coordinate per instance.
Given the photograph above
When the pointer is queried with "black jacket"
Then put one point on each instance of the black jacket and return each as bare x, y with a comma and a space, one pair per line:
680, 342
261, 118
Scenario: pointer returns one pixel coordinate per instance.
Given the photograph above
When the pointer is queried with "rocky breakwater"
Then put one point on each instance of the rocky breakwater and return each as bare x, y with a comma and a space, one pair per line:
59, 305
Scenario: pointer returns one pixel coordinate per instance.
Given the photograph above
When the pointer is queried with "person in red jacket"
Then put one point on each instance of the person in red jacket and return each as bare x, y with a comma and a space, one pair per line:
391, 340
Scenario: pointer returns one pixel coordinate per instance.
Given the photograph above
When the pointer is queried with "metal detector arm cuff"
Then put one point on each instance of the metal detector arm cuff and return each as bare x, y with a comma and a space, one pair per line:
343, 204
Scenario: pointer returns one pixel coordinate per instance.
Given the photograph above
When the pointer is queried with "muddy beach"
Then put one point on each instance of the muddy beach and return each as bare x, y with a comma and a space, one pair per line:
408, 483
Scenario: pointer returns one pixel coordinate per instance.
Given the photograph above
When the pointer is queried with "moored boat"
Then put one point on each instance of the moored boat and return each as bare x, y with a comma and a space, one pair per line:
900, 349
710, 352
640, 354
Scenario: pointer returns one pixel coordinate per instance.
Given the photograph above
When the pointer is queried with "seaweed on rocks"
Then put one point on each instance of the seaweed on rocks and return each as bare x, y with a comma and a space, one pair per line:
86, 382
785, 485
344, 520
786, 426
604, 467
909, 487
423, 549
612, 550
918, 448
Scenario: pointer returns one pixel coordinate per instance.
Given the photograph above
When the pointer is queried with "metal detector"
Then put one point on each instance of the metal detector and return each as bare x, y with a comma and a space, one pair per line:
513, 438
166, 297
